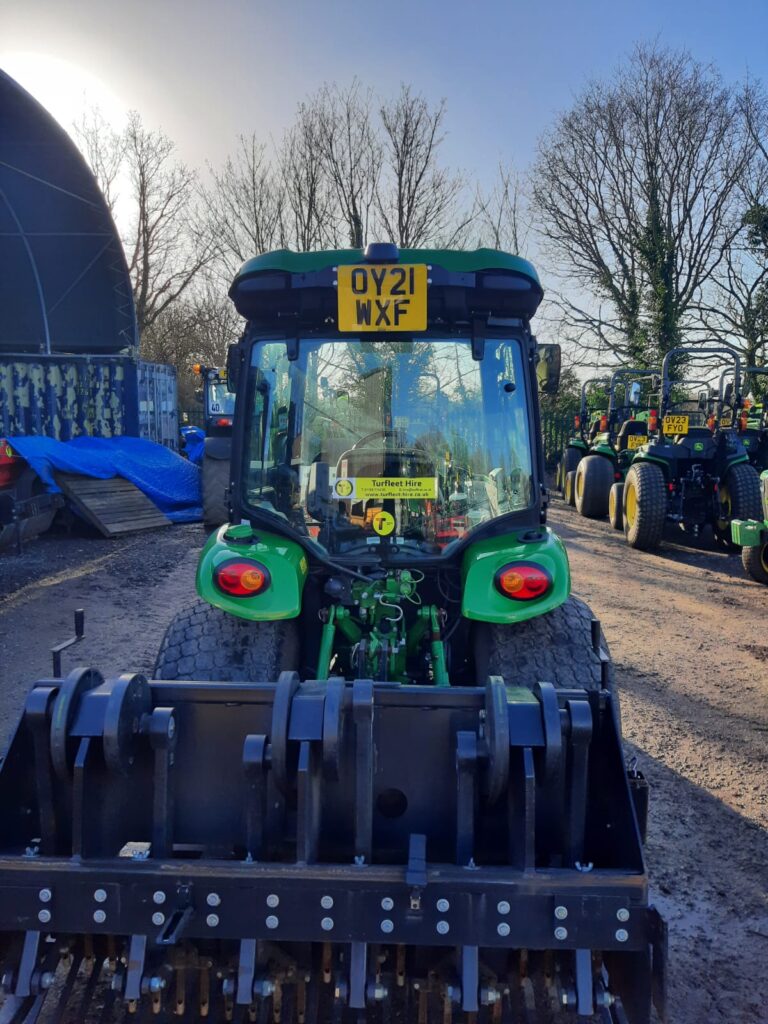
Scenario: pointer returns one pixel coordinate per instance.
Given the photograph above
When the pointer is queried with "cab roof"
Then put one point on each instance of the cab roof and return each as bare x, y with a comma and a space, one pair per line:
462, 283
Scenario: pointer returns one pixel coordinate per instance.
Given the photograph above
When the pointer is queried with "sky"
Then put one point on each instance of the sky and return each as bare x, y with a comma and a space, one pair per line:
208, 70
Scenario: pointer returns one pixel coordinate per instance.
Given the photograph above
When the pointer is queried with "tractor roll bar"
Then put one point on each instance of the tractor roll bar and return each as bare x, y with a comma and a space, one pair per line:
628, 371
697, 353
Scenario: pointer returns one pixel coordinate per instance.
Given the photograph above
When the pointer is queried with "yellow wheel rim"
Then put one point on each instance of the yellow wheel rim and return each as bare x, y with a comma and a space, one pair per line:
725, 508
579, 486
612, 504
630, 511
764, 557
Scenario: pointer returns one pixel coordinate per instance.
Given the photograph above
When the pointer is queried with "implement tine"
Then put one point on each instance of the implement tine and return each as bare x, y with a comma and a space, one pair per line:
90, 988
66, 991
34, 1011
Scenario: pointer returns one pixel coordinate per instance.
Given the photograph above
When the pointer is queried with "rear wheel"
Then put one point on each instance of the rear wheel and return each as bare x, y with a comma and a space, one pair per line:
755, 562
644, 506
615, 501
739, 498
569, 492
29, 485
214, 481
571, 458
555, 648
594, 478
203, 642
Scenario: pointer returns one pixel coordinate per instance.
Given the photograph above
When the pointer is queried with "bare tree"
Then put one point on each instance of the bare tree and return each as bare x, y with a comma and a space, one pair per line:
636, 188
104, 149
244, 204
417, 199
310, 219
351, 154
502, 219
166, 249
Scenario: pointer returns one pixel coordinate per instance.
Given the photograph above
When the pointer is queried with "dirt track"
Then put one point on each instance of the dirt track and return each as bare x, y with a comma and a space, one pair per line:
688, 633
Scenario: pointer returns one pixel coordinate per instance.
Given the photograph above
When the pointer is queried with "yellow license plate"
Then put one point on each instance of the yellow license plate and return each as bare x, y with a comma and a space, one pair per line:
636, 441
726, 420
383, 297
675, 425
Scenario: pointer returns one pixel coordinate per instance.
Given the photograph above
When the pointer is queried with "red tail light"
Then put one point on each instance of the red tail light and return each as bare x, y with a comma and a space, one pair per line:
577, 422
225, 421
653, 420
743, 421
241, 578
603, 422
523, 581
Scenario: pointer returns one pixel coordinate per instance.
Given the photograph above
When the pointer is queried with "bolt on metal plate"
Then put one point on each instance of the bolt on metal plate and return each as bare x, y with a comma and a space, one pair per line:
561, 934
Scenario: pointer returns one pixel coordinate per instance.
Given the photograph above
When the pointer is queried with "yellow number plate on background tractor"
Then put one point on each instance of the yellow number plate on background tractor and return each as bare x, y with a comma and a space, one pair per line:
726, 420
675, 425
636, 441
383, 297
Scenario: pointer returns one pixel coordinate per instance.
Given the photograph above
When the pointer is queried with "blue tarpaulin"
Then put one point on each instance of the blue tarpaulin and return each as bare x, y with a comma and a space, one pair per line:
171, 482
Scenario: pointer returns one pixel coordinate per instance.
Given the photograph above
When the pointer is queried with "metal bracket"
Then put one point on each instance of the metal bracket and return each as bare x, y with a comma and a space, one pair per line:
57, 651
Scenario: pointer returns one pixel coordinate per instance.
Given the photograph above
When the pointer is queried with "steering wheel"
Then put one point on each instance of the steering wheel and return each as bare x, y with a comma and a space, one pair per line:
384, 434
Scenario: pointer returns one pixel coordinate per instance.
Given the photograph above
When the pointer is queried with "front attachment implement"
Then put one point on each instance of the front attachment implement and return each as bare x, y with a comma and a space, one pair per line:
315, 852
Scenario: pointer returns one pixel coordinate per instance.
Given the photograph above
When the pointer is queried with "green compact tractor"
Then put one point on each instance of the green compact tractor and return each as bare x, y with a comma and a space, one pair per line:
695, 472
587, 423
378, 774
218, 411
600, 474
752, 423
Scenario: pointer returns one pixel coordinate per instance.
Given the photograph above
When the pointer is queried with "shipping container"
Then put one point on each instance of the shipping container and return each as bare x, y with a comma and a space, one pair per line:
65, 396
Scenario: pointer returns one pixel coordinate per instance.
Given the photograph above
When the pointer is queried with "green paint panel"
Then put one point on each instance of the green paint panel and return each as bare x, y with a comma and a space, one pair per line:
458, 260
483, 602
285, 560
749, 533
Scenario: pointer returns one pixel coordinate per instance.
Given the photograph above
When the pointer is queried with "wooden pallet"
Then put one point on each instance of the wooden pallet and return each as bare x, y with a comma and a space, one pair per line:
113, 506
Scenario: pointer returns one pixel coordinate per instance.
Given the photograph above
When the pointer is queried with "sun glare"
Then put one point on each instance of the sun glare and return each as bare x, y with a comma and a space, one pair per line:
66, 90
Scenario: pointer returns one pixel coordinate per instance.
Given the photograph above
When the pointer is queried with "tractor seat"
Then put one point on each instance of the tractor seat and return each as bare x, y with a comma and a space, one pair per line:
630, 428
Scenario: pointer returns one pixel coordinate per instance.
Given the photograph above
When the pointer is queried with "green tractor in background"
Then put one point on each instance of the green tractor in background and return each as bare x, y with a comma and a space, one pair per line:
623, 430
752, 535
587, 423
379, 772
752, 423
695, 472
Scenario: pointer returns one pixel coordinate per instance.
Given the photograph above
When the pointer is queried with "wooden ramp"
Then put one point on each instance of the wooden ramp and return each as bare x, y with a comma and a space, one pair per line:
113, 506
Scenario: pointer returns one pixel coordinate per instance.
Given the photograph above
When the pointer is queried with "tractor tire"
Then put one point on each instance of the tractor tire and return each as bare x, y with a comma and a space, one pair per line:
594, 479
739, 499
755, 562
214, 481
570, 460
29, 485
554, 648
615, 506
644, 506
203, 642
569, 491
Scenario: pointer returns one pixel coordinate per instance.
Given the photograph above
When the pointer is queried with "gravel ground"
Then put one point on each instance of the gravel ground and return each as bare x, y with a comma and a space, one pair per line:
688, 633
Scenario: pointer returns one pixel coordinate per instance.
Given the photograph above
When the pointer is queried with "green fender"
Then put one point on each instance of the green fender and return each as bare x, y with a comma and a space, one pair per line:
285, 560
483, 602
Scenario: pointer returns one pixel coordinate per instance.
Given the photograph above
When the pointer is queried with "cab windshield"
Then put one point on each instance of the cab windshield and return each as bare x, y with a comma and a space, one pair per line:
221, 402
407, 443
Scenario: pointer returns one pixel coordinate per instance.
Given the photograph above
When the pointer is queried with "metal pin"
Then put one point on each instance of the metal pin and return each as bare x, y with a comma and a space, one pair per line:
212, 920
561, 934
326, 902
99, 916
326, 924
272, 921
100, 896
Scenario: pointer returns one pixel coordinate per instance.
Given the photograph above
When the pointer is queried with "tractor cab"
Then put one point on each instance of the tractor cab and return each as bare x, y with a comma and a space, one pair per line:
217, 400
395, 416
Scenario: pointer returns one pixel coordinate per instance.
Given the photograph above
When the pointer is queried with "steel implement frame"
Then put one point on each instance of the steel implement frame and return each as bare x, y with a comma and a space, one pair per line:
217, 814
